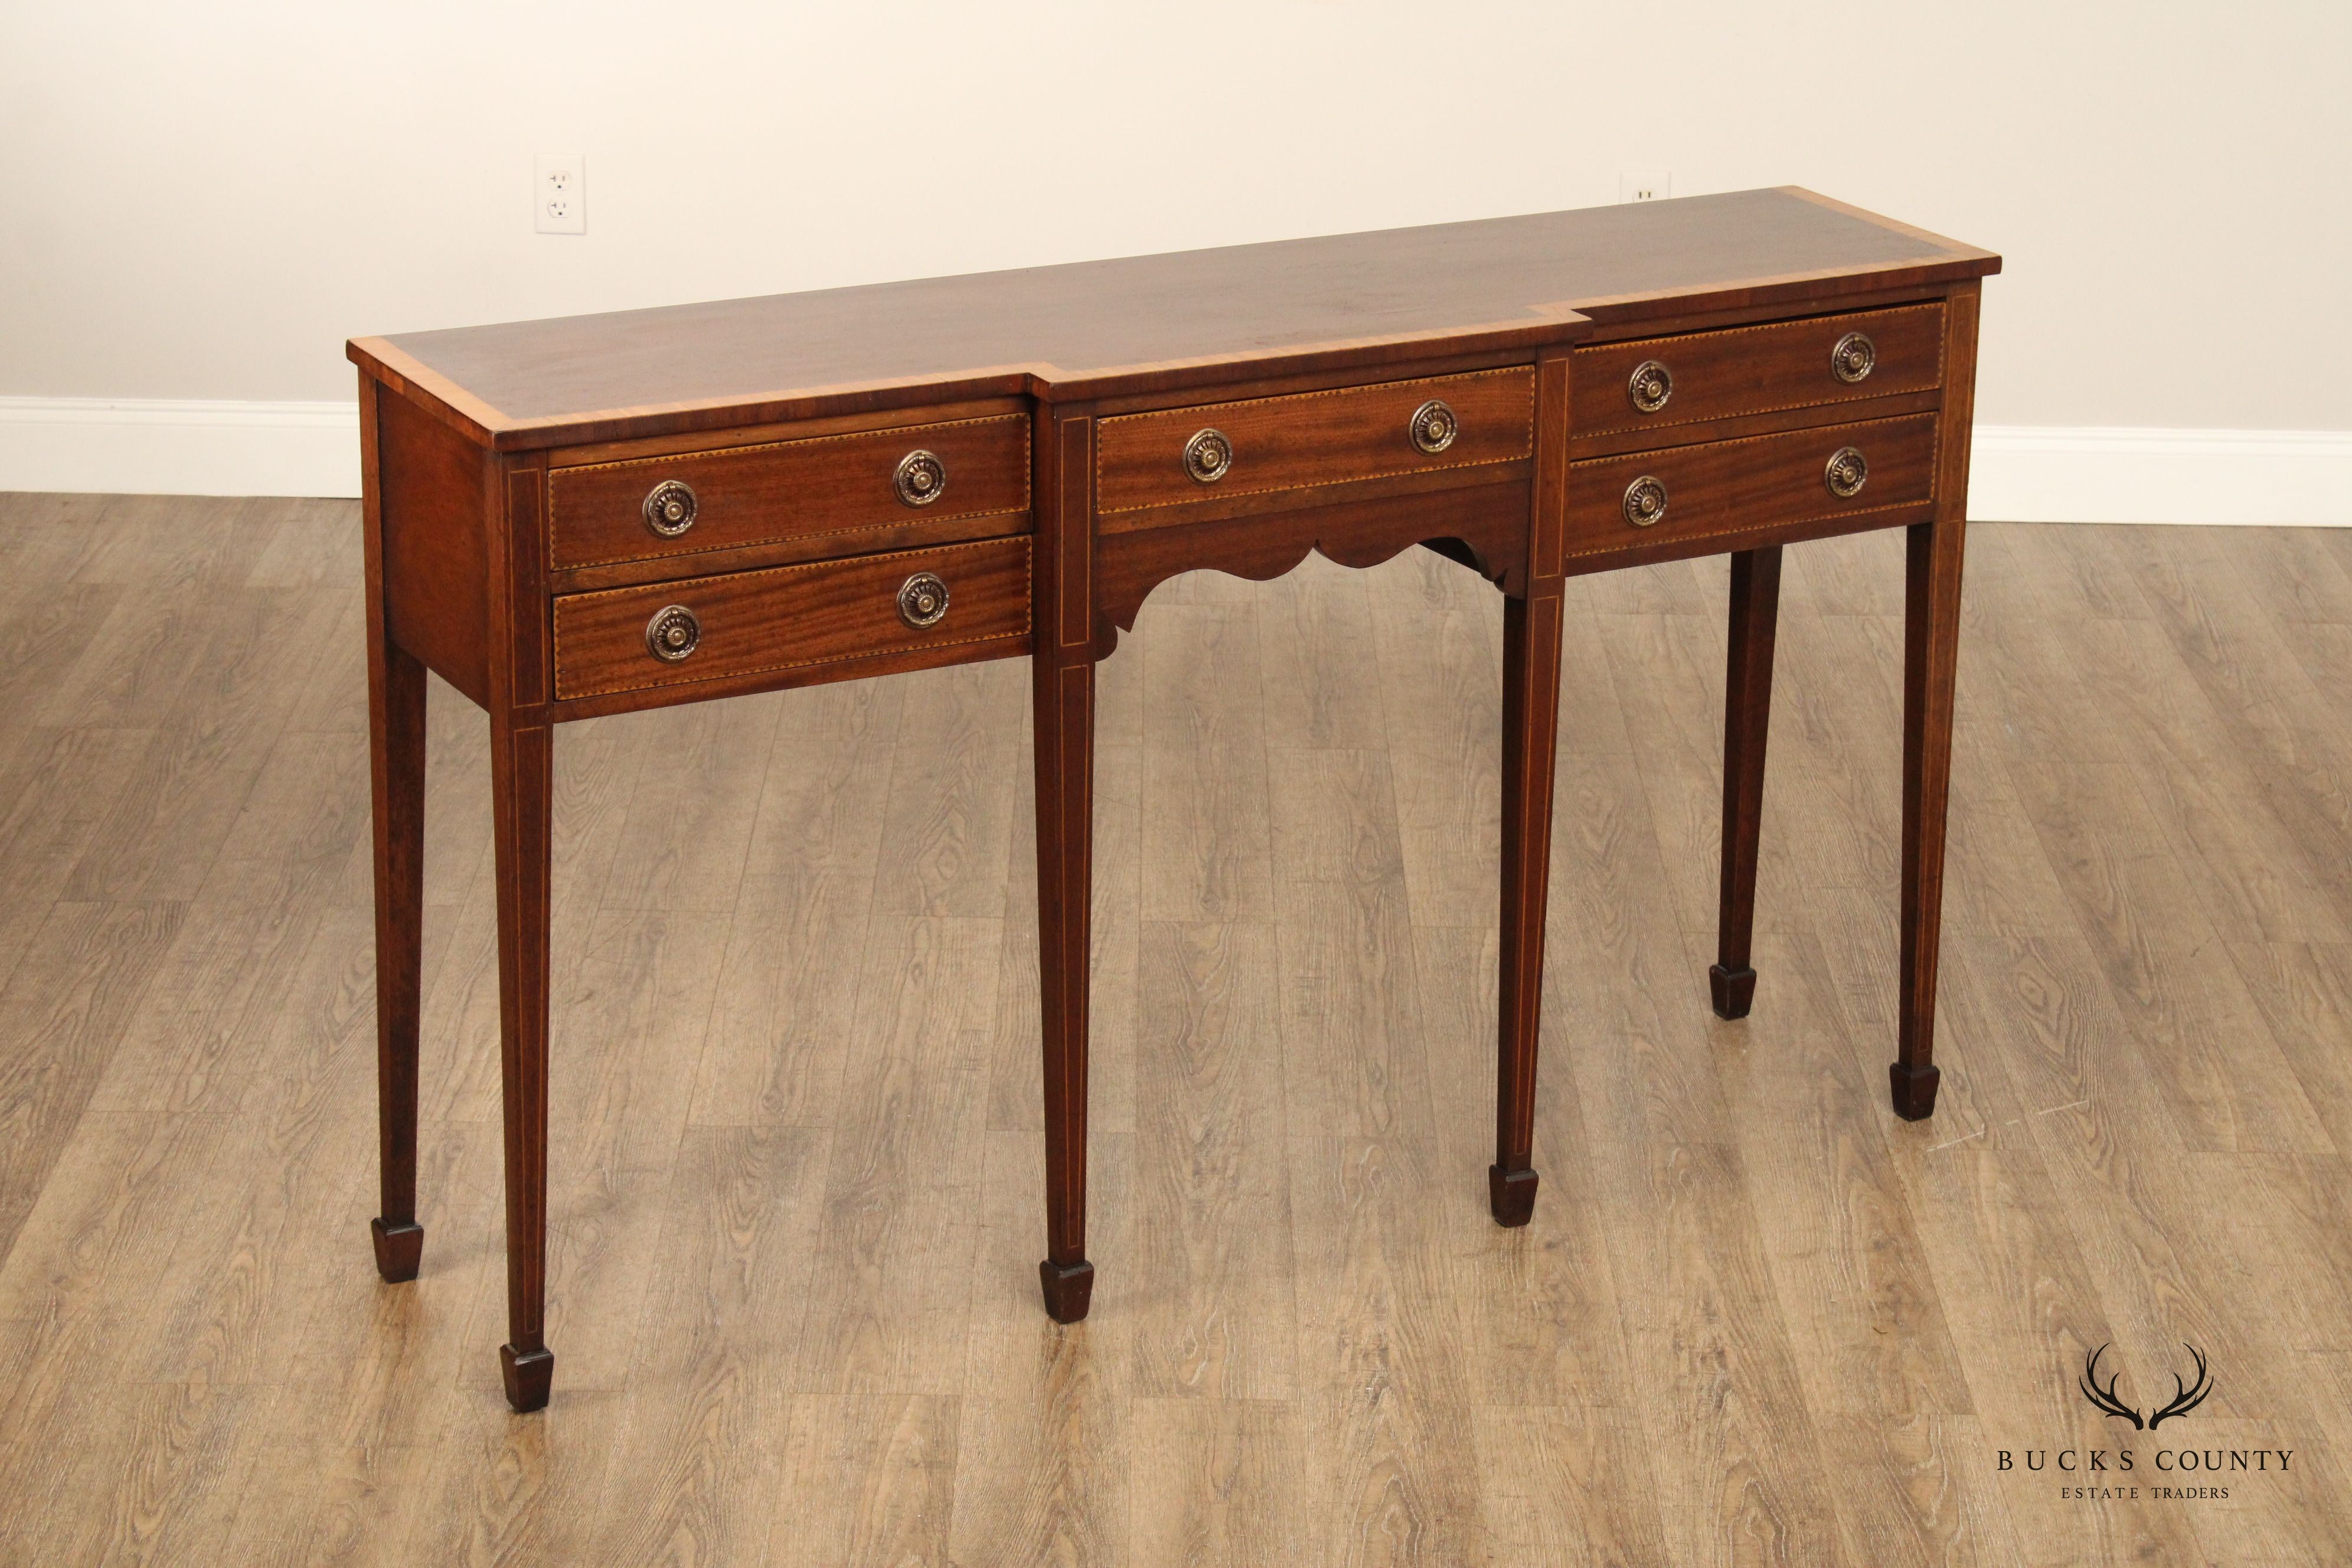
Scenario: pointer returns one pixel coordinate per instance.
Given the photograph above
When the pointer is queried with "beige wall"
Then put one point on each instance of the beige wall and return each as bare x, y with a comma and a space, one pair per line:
202, 201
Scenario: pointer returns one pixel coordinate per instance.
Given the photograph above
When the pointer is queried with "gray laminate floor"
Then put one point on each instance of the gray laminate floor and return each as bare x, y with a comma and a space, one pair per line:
797, 1180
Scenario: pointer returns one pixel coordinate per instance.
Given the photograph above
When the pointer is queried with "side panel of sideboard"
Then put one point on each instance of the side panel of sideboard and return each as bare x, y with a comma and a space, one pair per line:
432, 490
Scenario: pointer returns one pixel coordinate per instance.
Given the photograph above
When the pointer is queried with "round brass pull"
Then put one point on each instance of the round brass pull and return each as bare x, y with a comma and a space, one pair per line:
1645, 500
1434, 426
672, 633
1649, 386
669, 508
923, 600
1847, 473
921, 478
1207, 455
1854, 357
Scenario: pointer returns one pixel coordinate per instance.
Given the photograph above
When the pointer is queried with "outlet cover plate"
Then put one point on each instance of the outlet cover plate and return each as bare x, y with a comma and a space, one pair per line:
1654, 186
559, 193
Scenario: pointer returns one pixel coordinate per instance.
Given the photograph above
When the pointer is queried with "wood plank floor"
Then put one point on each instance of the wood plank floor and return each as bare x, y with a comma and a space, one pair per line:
796, 1171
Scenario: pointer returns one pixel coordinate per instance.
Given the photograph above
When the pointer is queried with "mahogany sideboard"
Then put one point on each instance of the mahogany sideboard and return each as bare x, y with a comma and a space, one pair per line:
578, 517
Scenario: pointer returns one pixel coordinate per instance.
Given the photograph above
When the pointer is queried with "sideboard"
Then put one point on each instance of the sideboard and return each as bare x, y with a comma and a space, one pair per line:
576, 517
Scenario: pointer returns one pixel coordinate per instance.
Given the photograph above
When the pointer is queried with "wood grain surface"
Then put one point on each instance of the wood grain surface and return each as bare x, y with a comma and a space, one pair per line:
1772, 368
1720, 491
793, 1214
1098, 328
838, 488
1309, 447
833, 619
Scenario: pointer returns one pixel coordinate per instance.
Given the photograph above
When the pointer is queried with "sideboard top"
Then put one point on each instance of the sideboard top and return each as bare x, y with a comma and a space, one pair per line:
1146, 323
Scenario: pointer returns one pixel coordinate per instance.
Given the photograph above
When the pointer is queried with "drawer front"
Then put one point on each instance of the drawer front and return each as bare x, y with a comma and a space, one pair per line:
1721, 488
820, 486
752, 623
1309, 440
1765, 369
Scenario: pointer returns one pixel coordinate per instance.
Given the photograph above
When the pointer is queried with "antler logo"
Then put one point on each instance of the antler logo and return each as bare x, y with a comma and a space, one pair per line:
2185, 1398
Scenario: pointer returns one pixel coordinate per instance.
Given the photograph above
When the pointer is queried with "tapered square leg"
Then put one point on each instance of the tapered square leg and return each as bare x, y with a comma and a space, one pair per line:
1930, 645
1747, 717
1531, 646
396, 777
1061, 691
521, 802
1935, 552
1929, 666
1065, 759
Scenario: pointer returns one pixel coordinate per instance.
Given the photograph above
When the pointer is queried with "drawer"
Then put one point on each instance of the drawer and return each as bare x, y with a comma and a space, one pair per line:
823, 486
1147, 464
826, 612
1718, 488
1767, 369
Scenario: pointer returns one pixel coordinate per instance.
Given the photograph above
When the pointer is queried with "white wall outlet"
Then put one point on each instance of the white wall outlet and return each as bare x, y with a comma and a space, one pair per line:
559, 193
1651, 187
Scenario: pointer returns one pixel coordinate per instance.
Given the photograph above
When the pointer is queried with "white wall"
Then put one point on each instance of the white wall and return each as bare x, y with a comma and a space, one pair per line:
202, 202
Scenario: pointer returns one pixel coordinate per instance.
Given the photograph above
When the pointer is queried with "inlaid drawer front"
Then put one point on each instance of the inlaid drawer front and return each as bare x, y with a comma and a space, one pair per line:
1660, 382
973, 596
1717, 487
646, 508
1309, 440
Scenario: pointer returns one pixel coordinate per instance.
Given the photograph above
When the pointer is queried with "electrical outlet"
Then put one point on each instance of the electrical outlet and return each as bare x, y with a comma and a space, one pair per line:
560, 193
1649, 188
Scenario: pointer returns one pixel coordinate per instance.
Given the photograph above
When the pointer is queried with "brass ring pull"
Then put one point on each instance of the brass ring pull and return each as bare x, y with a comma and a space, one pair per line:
1847, 473
1649, 386
672, 633
1208, 455
921, 478
1434, 426
1645, 500
669, 508
1854, 357
923, 600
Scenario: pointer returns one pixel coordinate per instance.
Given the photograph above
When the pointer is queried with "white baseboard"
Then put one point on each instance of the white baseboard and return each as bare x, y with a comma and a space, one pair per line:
2020, 473
2026, 473
154, 445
